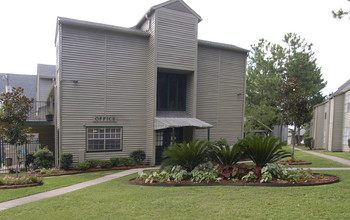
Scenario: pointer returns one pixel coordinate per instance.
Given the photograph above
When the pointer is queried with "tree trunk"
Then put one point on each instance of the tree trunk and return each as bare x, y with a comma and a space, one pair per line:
281, 128
299, 136
293, 137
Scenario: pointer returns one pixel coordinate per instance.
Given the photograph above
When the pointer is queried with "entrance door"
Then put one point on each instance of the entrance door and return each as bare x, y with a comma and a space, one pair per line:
164, 139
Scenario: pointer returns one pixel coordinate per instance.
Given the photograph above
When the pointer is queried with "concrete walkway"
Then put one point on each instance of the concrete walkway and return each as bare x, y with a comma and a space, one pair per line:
64, 190
336, 159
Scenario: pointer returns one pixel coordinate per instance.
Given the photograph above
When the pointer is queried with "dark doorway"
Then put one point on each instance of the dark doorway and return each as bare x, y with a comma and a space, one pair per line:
164, 139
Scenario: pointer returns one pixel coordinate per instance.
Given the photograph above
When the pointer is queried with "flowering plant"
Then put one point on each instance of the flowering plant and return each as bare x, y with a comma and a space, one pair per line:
21, 180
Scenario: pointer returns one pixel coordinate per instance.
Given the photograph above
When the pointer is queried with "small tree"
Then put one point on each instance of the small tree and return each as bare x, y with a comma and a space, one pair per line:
15, 110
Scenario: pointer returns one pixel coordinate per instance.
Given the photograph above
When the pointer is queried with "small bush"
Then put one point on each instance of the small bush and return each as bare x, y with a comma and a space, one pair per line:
114, 161
349, 142
126, 161
138, 156
66, 160
104, 163
93, 163
308, 142
187, 155
29, 160
82, 165
44, 158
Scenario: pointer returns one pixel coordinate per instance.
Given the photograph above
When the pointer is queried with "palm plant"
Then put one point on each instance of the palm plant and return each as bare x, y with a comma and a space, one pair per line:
225, 154
264, 150
187, 155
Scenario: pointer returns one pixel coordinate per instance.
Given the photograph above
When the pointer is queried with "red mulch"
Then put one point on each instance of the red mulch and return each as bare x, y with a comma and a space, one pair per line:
19, 186
327, 179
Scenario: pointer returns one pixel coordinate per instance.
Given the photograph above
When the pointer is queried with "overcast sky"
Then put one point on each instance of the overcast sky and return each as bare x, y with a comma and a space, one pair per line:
28, 27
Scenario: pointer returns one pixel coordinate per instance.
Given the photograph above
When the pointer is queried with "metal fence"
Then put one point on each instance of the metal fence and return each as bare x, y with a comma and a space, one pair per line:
9, 158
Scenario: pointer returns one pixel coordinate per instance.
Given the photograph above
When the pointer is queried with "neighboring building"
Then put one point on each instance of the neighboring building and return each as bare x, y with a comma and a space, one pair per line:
122, 89
330, 127
27, 82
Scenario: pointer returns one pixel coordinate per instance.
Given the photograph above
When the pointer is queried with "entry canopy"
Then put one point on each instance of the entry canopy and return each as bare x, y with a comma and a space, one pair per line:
162, 123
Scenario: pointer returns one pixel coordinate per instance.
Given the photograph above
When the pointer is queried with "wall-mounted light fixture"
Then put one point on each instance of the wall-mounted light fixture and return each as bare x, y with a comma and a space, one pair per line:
75, 81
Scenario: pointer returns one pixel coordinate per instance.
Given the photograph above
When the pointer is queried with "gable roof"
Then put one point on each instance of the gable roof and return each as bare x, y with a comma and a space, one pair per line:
177, 5
27, 82
343, 88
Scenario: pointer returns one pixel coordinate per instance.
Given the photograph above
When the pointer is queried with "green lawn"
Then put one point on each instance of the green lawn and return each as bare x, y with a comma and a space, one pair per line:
317, 162
117, 200
51, 183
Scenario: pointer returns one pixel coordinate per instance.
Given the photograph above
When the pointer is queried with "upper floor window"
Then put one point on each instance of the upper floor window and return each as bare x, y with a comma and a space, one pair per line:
347, 103
171, 92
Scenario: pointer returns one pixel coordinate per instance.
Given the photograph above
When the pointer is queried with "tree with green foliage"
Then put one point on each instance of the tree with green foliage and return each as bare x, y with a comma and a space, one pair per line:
15, 109
273, 70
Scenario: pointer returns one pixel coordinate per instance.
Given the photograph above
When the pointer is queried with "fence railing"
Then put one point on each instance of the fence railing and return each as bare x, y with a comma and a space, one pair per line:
9, 158
39, 111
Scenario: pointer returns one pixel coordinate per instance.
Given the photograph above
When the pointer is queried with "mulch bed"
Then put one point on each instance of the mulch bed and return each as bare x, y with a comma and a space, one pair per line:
294, 163
70, 172
19, 186
327, 179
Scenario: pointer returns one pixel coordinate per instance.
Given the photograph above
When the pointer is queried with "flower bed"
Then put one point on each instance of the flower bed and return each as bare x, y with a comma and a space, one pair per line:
240, 174
21, 181
293, 161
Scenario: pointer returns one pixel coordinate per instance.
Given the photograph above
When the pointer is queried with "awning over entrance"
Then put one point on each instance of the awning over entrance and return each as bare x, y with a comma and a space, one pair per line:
162, 123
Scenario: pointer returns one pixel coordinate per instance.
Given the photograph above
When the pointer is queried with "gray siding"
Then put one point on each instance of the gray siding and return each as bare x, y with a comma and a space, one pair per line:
346, 122
338, 123
319, 126
176, 39
110, 69
221, 92
44, 88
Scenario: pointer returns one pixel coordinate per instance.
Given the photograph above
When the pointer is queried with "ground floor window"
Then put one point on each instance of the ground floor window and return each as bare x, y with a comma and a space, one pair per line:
104, 138
346, 135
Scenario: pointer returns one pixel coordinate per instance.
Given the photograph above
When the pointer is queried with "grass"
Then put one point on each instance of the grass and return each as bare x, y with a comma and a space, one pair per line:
317, 162
51, 183
117, 200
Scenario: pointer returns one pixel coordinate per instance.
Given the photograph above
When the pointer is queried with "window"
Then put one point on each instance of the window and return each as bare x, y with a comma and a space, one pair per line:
347, 103
171, 92
159, 139
104, 139
346, 136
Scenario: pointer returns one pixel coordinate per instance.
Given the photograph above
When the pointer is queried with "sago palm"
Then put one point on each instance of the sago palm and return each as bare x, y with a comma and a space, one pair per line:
188, 155
264, 150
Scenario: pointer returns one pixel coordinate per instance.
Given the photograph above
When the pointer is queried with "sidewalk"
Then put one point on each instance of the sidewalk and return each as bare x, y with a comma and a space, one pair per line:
336, 159
64, 190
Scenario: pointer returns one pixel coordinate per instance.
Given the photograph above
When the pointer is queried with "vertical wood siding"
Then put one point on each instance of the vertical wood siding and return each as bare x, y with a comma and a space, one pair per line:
337, 137
346, 121
319, 126
220, 92
176, 39
110, 68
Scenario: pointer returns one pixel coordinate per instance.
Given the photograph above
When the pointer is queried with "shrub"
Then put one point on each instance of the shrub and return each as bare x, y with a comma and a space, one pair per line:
263, 150
225, 154
176, 173
114, 161
138, 156
187, 155
205, 174
29, 160
349, 142
93, 163
308, 142
82, 165
44, 158
125, 161
66, 160
104, 163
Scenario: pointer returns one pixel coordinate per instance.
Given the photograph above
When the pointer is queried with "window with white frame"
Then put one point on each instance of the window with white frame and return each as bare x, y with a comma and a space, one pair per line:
347, 103
104, 138
159, 139
346, 136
